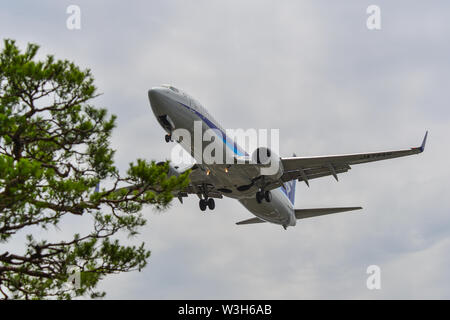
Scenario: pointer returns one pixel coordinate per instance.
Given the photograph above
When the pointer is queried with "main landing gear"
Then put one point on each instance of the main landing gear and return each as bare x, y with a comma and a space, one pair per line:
263, 195
168, 138
210, 203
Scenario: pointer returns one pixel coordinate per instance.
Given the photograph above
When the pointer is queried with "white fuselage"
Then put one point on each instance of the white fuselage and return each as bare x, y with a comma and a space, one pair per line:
175, 109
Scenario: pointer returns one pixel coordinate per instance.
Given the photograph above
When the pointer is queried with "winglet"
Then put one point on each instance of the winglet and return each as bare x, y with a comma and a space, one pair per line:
422, 147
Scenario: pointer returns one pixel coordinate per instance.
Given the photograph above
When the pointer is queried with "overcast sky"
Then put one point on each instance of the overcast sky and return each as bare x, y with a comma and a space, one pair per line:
311, 69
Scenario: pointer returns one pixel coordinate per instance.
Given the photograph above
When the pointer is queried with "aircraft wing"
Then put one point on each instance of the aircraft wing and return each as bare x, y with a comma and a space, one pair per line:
307, 168
199, 184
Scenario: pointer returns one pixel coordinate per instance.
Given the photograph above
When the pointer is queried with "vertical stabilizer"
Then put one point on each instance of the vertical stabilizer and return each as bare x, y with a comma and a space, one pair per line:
289, 188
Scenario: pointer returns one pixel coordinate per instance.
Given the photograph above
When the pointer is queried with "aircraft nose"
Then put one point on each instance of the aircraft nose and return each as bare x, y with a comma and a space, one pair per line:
158, 100
155, 95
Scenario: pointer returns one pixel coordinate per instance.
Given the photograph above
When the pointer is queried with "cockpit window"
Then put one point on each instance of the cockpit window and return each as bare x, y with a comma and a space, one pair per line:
171, 88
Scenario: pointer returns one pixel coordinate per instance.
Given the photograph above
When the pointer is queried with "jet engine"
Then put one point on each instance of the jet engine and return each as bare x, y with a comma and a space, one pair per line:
173, 171
269, 161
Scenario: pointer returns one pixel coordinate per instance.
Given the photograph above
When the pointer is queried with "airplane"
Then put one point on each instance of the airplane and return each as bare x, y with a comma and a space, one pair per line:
270, 198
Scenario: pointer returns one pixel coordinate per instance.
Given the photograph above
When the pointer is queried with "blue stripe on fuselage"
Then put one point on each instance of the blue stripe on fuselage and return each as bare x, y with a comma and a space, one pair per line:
228, 142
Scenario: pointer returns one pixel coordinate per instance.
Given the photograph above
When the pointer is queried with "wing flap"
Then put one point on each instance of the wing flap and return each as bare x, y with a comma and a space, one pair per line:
310, 213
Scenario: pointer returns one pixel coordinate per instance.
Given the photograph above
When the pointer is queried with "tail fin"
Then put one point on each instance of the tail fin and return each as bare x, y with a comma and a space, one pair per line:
289, 188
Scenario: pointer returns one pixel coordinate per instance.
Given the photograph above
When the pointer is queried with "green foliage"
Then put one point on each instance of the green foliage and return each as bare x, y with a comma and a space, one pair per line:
54, 150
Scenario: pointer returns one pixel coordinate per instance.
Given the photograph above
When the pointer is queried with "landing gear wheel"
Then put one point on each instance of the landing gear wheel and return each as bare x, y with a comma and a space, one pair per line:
202, 204
211, 204
268, 196
167, 137
259, 196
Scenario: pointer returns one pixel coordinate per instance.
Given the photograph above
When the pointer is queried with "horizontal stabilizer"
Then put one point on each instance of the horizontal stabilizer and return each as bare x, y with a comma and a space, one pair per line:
250, 221
309, 213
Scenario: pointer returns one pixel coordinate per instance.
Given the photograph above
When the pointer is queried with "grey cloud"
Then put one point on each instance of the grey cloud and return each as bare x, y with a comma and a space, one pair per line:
312, 70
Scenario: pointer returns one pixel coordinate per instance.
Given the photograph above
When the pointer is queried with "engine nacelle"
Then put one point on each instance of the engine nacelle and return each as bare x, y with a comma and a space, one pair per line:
173, 171
269, 161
